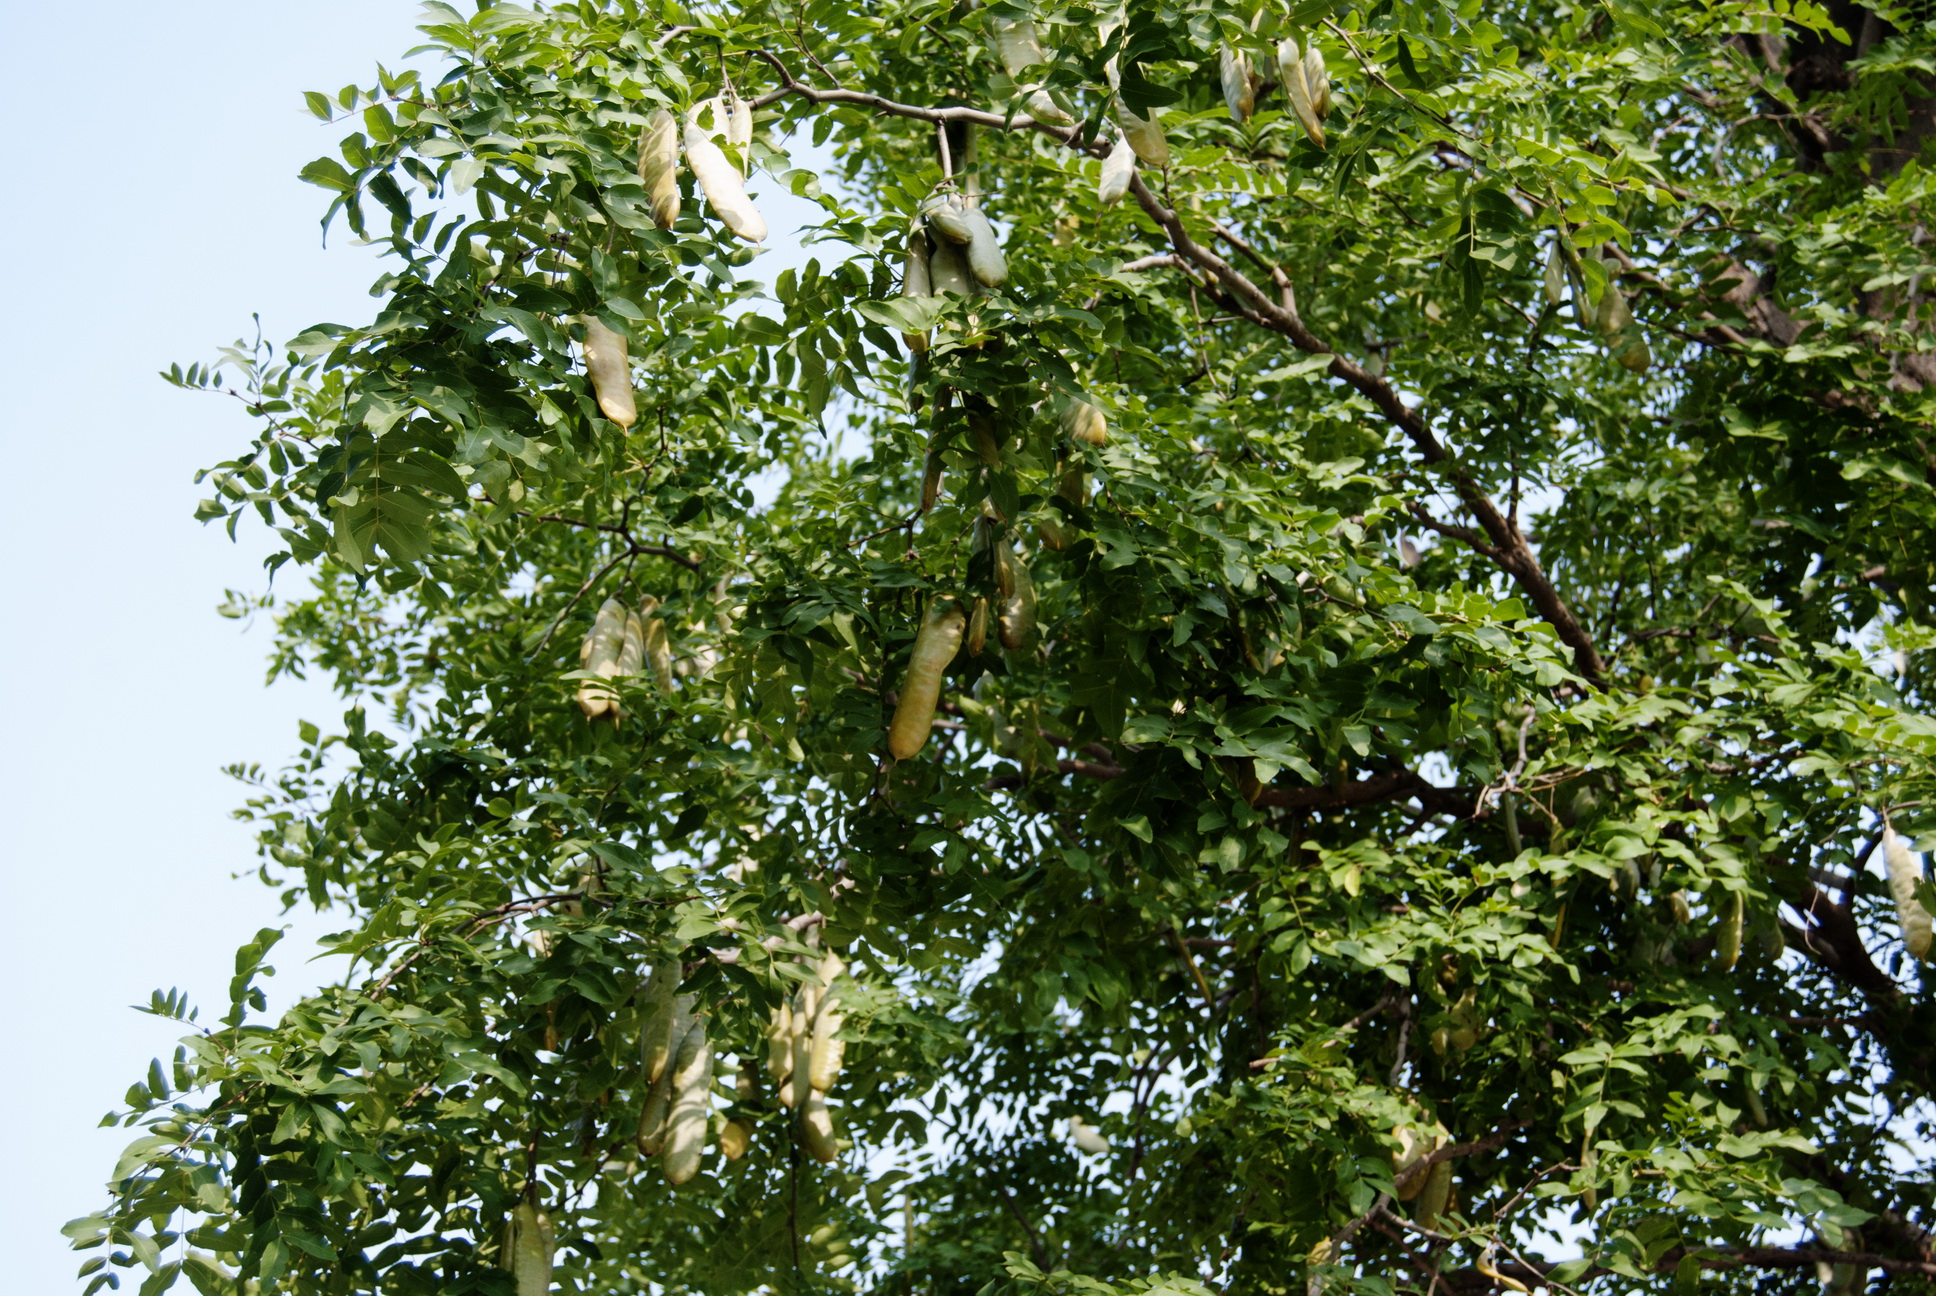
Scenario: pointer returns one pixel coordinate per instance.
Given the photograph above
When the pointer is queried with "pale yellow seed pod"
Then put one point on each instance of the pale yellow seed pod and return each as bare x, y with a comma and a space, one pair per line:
655, 1036
948, 269
1233, 70
947, 215
653, 1113
659, 167
722, 184
806, 1007
935, 646
658, 651
1727, 941
631, 653
739, 131
530, 1249
1435, 1196
1017, 620
828, 1050
1317, 80
1290, 70
1678, 903
610, 369
1905, 872
1145, 135
1554, 283
1117, 169
779, 1046
1084, 422
1087, 1137
985, 260
692, 1084
817, 1129
735, 1137
599, 654
915, 281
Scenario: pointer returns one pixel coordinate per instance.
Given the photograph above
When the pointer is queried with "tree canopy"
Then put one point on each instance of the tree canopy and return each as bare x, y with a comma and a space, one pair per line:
1306, 638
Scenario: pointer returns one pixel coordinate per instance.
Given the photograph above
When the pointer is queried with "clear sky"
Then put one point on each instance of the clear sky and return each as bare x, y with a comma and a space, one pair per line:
152, 206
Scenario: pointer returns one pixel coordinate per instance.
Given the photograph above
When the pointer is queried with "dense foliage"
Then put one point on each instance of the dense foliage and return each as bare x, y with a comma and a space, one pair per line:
1439, 801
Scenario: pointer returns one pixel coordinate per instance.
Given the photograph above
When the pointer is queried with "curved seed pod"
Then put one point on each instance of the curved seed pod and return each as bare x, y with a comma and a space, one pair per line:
1084, 422
1145, 135
659, 167
1233, 69
1435, 1196
930, 480
779, 1046
1905, 872
985, 260
1613, 316
1411, 1146
1015, 44
1290, 69
817, 1129
722, 184
948, 269
735, 1137
1317, 79
947, 215
935, 646
828, 1051
1634, 355
983, 432
631, 653
610, 369
978, 628
1017, 621
692, 1088
658, 651
1117, 168
1727, 942
915, 280
653, 1114
1088, 1137
1074, 486
1678, 902
739, 131
656, 1040
1043, 107
530, 1248
806, 1007
599, 654
1554, 282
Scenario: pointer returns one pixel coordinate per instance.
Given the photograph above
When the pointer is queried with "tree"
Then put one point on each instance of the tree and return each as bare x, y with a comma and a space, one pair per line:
1405, 638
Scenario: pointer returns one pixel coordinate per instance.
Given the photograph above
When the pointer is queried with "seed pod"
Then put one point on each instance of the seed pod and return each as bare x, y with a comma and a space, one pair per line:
1073, 486
1555, 280
1415, 1142
631, 653
658, 650
692, 1087
978, 628
1117, 168
746, 1084
935, 646
1049, 529
739, 131
779, 1045
817, 1129
1755, 1107
1435, 1196
735, 1137
915, 281
1233, 69
1084, 422
1727, 941
599, 654
1290, 70
947, 215
1317, 79
1087, 1137
1905, 872
528, 1251
1678, 902
611, 372
1145, 135
985, 260
656, 1042
1015, 44
722, 184
653, 1113
983, 432
828, 1051
659, 167
1017, 621
948, 269
1633, 354
806, 1007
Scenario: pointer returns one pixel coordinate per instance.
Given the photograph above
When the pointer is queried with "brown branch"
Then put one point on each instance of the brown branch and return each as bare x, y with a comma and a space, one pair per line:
1379, 787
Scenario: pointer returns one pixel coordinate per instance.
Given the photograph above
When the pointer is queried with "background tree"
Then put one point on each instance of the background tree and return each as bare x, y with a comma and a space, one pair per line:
1313, 872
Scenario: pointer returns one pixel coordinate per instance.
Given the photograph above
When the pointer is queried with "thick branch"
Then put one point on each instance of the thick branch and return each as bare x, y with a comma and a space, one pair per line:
1379, 787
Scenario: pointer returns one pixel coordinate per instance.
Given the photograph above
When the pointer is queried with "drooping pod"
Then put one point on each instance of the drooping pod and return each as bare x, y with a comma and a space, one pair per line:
1727, 941
739, 130
610, 368
916, 283
1145, 135
659, 167
657, 645
985, 260
1017, 47
1117, 169
599, 654
735, 1137
1554, 282
1317, 80
931, 480
528, 1248
1905, 873
779, 1046
935, 645
1087, 1137
722, 183
1435, 1196
828, 1050
1084, 422
1017, 620
817, 1129
1291, 70
978, 628
1233, 70
655, 1036
947, 215
948, 269
692, 1084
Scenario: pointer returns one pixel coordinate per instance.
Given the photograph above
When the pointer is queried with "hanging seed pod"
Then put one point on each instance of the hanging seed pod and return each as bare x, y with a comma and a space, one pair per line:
739, 131
1905, 872
692, 1087
1554, 282
599, 654
1084, 422
659, 167
1087, 1137
985, 260
735, 1137
653, 1113
1073, 486
817, 1129
655, 1036
1435, 1196
529, 1246
987, 440
722, 184
1145, 135
935, 646
1017, 47
658, 648
779, 1046
631, 653
1755, 1107
978, 628
948, 269
829, 1051
1049, 529
947, 215
1290, 70
1727, 941
1317, 80
610, 369
806, 1007
915, 280
1017, 620
1117, 168
1678, 903
1233, 70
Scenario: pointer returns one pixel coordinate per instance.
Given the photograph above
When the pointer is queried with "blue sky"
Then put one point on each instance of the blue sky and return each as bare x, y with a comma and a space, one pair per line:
153, 207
